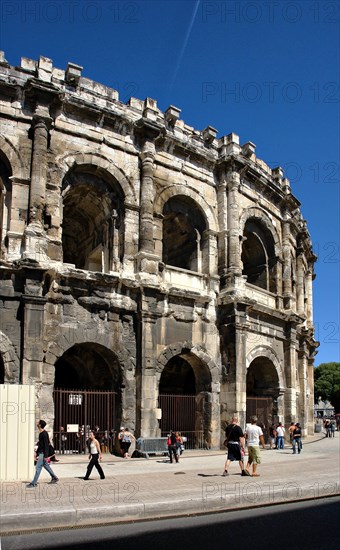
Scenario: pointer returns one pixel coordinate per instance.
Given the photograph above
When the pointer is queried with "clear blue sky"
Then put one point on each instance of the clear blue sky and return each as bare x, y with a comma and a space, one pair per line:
267, 71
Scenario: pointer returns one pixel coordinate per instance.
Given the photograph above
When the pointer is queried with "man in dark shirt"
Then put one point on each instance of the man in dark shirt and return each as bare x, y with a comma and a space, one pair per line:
296, 441
235, 444
42, 456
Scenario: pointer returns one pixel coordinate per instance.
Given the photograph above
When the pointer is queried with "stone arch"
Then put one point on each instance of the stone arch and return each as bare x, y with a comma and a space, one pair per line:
186, 229
194, 412
265, 387
93, 234
87, 334
174, 189
10, 359
269, 353
261, 216
82, 336
71, 160
184, 347
260, 250
14, 158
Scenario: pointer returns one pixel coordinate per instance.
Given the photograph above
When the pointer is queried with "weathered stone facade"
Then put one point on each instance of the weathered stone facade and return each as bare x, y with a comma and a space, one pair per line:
135, 248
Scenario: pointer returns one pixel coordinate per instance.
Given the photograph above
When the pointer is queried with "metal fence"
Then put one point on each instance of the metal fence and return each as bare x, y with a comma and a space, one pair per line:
78, 412
179, 413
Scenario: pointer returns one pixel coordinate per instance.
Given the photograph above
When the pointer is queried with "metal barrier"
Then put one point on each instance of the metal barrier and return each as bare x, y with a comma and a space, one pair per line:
151, 446
193, 440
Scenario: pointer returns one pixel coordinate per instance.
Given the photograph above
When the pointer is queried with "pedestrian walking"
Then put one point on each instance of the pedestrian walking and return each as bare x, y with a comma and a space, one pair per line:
291, 430
42, 454
95, 454
235, 446
296, 441
253, 435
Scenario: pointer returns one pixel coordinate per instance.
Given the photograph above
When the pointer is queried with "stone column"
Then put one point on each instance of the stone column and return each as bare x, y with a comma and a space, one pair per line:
309, 294
234, 251
35, 238
147, 196
147, 260
131, 232
240, 358
310, 396
287, 271
38, 171
300, 287
222, 204
302, 413
291, 371
149, 390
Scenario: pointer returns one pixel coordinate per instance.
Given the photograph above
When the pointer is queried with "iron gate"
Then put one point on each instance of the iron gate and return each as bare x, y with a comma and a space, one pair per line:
179, 413
82, 411
262, 407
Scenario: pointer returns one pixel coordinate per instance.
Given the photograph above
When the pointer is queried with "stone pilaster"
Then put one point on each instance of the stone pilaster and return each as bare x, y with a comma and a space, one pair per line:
290, 357
35, 244
149, 389
147, 156
287, 271
302, 413
147, 261
38, 170
309, 294
234, 250
240, 365
300, 288
222, 203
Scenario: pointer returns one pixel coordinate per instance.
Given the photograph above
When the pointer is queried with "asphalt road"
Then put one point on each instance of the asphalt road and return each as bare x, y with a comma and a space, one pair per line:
311, 524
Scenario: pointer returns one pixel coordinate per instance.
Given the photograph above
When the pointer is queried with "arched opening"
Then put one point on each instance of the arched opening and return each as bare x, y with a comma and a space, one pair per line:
2, 370
87, 395
184, 239
5, 203
258, 256
262, 393
184, 399
93, 214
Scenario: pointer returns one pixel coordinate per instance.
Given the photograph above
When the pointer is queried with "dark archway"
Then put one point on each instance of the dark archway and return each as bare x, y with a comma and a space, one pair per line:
93, 214
88, 366
184, 240
88, 383
184, 390
5, 202
258, 256
262, 392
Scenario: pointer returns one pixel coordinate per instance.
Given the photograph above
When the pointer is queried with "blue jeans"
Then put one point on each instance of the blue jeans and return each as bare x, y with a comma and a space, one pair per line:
280, 442
297, 442
40, 465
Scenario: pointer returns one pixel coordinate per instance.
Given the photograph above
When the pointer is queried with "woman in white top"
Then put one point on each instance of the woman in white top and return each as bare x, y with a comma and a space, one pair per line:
95, 453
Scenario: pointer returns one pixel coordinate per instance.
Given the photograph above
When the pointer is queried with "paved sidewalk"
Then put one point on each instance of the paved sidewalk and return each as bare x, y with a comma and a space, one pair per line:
140, 489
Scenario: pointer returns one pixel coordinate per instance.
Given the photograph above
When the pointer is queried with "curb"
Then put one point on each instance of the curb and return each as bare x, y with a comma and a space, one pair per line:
230, 497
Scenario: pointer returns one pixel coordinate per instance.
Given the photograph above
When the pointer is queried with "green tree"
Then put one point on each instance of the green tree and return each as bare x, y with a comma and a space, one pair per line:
327, 384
